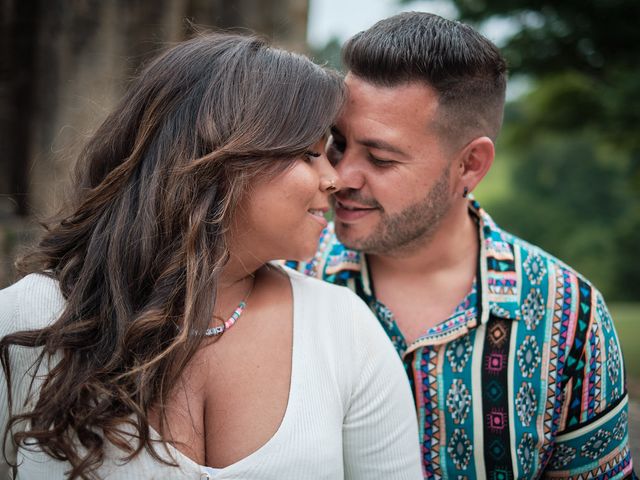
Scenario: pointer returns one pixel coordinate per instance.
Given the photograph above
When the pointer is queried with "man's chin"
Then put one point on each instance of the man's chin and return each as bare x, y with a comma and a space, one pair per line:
350, 237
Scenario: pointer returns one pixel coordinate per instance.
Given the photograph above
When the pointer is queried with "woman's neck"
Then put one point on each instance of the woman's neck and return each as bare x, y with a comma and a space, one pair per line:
237, 282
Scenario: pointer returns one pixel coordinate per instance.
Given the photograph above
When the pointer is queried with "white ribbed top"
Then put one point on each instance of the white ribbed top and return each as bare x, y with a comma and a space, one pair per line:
350, 413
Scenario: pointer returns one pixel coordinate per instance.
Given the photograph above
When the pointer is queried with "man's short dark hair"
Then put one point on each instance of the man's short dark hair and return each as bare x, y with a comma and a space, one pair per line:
465, 69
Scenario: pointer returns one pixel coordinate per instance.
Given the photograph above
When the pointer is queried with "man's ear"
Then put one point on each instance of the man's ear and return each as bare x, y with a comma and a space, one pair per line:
474, 162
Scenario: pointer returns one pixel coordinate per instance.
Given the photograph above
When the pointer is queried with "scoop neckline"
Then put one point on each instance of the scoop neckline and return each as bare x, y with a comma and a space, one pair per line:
288, 413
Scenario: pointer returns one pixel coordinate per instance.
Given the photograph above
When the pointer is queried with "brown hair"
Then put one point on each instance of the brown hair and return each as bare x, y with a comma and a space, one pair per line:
139, 257
465, 69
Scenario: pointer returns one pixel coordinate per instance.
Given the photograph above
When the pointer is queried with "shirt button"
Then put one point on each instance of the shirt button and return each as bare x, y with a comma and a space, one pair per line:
204, 476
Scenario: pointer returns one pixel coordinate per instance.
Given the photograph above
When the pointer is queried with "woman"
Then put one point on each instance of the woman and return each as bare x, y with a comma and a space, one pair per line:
154, 338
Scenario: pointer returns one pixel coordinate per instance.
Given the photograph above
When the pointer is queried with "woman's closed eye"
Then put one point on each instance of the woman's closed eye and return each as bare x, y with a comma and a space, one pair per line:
310, 155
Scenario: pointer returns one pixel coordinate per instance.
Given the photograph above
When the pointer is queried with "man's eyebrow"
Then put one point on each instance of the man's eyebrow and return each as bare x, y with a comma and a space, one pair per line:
381, 145
372, 143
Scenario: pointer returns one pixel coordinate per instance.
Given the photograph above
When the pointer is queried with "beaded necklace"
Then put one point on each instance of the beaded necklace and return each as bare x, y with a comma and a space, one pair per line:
218, 329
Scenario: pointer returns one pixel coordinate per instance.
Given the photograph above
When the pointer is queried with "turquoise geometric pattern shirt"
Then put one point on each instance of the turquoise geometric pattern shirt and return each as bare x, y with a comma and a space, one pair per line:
525, 379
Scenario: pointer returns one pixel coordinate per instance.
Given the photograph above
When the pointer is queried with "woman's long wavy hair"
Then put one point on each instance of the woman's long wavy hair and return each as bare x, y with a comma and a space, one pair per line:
139, 256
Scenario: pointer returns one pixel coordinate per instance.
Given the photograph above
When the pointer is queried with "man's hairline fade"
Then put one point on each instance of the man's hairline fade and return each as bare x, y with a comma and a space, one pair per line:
470, 105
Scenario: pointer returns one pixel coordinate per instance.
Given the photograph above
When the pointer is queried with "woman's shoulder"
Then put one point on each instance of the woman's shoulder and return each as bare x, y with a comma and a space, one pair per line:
334, 306
30, 303
312, 283
331, 294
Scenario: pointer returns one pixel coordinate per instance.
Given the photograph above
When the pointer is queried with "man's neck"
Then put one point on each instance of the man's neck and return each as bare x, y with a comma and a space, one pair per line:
423, 286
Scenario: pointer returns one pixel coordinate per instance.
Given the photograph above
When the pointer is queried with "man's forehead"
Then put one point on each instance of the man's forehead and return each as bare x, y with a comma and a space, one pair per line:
387, 111
411, 100
409, 87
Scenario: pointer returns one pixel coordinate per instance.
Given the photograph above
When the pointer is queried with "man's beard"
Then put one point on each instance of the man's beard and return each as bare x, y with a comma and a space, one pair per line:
403, 231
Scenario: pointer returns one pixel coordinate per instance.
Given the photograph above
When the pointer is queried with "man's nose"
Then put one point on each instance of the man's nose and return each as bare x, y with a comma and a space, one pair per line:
349, 169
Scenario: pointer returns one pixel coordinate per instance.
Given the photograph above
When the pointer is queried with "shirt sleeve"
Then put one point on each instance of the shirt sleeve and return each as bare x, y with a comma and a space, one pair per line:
594, 441
380, 432
31, 303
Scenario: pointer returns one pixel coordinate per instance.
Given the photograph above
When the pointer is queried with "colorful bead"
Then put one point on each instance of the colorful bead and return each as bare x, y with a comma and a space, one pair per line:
217, 330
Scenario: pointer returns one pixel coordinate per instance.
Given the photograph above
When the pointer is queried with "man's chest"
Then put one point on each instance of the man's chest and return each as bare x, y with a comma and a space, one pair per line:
416, 312
481, 404
418, 307
488, 402
413, 326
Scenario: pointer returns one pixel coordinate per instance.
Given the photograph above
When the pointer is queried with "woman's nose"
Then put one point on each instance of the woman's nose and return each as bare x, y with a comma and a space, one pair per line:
329, 185
330, 181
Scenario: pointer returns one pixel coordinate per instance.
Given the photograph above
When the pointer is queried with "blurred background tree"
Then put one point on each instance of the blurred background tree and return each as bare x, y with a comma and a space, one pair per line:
567, 174
570, 147
64, 64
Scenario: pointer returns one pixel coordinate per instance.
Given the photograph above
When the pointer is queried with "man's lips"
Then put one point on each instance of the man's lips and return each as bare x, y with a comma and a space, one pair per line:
347, 211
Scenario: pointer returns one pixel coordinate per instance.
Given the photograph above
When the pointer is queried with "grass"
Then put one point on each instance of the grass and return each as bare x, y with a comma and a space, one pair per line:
626, 317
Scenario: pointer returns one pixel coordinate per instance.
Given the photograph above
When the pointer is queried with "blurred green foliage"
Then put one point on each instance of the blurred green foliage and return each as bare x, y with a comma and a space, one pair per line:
570, 147
591, 36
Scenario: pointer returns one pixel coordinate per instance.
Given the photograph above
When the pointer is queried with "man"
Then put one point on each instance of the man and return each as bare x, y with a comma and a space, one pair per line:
514, 363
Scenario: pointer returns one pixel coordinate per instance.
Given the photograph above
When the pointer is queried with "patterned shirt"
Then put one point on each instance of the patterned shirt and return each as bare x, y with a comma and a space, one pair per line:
524, 380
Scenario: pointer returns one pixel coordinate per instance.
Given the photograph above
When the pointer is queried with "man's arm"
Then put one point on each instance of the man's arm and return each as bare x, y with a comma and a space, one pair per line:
596, 441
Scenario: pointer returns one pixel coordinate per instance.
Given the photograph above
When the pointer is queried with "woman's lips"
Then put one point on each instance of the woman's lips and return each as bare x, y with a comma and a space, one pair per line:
318, 215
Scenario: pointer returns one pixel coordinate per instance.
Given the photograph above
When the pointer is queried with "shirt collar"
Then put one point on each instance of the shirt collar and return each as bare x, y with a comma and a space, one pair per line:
499, 268
499, 285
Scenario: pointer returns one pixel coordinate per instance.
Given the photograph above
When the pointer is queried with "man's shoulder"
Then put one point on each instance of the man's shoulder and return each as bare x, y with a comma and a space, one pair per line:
525, 282
530, 254
563, 313
535, 264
